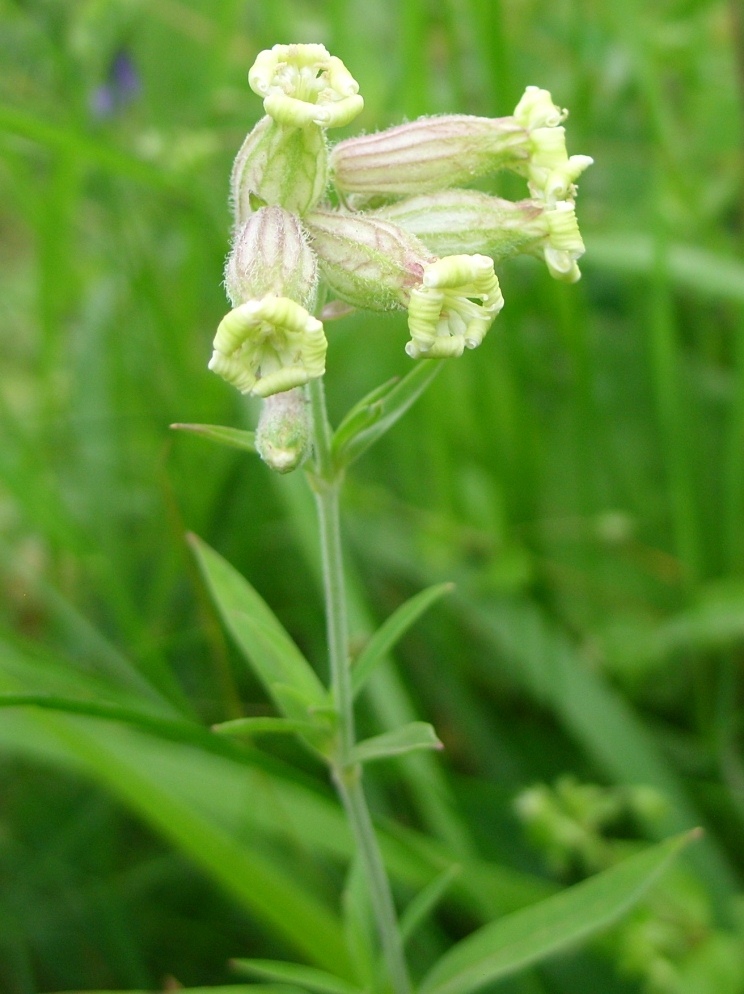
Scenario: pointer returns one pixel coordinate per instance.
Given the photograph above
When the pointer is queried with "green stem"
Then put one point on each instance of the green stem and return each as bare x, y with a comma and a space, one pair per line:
347, 775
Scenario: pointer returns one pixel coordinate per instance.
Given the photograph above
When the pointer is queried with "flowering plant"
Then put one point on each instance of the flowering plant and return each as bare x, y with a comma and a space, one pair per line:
382, 222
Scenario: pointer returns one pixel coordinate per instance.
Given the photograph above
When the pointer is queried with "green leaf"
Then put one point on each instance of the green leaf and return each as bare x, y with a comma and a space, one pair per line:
259, 634
393, 629
222, 989
234, 438
261, 726
392, 406
417, 735
426, 900
522, 938
362, 415
294, 973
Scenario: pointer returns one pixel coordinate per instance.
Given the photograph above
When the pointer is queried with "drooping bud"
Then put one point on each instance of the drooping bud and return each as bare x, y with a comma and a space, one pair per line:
270, 255
430, 153
372, 263
451, 222
283, 431
279, 165
268, 346
304, 85
454, 308
367, 262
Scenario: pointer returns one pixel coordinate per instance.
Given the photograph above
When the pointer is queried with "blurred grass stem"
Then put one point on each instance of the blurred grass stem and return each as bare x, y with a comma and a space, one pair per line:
347, 775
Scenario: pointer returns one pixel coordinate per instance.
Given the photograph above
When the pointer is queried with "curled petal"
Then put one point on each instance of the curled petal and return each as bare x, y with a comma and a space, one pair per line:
565, 244
537, 110
267, 346
302, 85
455, 306
551, 172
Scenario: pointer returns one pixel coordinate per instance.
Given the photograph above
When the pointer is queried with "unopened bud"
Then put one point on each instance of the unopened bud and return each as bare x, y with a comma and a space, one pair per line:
283, 431
304, 85
279, 165
268, 346
270, 255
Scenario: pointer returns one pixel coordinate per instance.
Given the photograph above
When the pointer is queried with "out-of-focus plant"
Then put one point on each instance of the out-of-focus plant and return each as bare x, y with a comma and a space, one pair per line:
670, 941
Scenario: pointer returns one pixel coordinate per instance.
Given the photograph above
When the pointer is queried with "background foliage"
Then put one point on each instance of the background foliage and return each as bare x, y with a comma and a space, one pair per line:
580, 477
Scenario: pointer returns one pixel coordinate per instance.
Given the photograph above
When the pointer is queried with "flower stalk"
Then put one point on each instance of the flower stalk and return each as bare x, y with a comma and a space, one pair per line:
346, 774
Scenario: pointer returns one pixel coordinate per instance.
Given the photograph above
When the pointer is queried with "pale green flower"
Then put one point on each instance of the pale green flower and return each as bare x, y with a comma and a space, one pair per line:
267, 346
304, 85
454, 308
374, 264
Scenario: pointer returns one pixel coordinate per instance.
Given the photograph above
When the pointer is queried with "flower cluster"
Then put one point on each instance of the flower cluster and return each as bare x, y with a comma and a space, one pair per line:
408, 234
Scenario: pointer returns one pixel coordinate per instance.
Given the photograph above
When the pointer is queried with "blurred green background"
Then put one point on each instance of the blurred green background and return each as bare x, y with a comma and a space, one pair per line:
580, 477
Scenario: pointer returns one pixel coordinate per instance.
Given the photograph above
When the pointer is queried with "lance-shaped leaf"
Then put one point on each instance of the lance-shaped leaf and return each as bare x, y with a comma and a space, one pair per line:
393, 405
275, 658
393, 629
308, 977
561, 921
362, 415
234, 438
249, 727
417, 735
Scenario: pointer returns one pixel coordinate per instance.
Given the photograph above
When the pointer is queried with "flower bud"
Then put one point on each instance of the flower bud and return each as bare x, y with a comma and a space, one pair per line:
430, 153
304, 85
283, 431
268, 346
466, 221
374, 264
279, 165
367, 262
270, 255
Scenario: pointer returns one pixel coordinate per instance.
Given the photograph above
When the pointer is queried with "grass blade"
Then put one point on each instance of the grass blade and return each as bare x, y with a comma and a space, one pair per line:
306, 977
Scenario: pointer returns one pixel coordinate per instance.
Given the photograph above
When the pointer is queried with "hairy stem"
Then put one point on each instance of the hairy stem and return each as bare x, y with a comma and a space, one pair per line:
347, 775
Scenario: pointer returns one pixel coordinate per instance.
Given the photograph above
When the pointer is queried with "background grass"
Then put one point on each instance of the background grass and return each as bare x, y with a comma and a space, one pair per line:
580, 477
